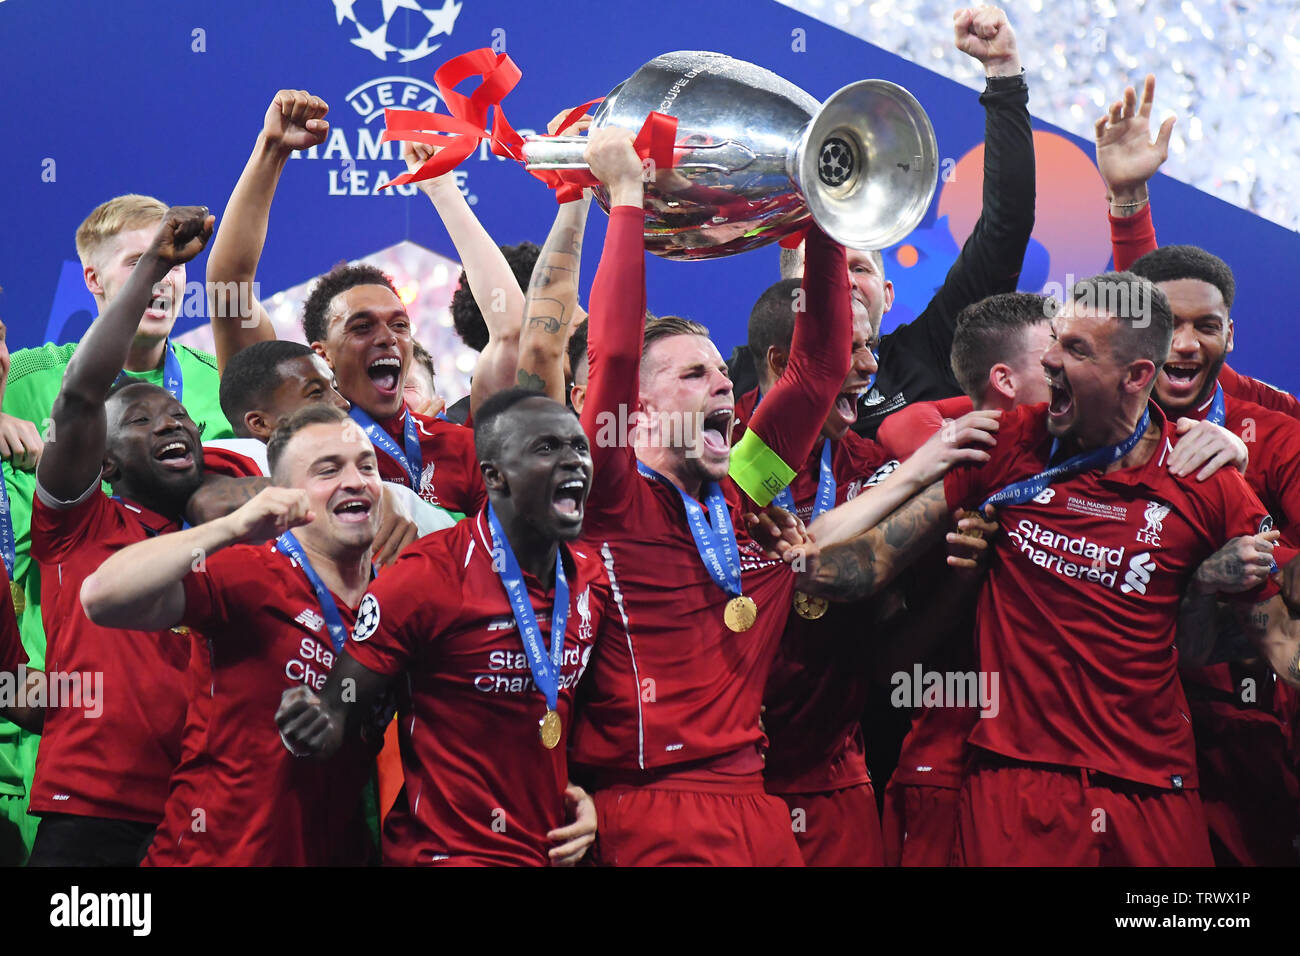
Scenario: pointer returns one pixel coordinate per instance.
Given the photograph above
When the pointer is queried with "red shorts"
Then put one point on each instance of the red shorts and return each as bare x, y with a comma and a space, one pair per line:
712, 815
837, 827
1020, 814
919, 824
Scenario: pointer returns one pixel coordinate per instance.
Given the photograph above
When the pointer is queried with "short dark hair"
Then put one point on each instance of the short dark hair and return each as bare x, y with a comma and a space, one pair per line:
339, 279
666, 326
1187, 262
317, 413
488, 437
420, 354
1144, 321
991, 331
771, 320
465, 314
250, 377
577, 348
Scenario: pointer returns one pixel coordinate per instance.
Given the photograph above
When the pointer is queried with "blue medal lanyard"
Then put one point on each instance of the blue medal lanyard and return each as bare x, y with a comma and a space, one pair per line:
412, 461
1019, 492
826, 487
546, 670
716, 543
173, 381
288, 545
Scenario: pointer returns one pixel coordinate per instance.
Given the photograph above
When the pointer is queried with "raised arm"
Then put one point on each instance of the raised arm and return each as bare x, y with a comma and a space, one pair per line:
991, 258
788, 422
141, 586
1127, 159
616, 322
70, 465
491, 280
551, 311
294, 120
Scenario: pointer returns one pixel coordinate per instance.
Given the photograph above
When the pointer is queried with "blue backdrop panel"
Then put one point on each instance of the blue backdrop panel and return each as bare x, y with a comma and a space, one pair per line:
166, 99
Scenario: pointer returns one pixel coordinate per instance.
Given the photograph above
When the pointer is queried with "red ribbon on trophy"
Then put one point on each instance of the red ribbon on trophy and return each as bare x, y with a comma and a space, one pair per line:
458, 133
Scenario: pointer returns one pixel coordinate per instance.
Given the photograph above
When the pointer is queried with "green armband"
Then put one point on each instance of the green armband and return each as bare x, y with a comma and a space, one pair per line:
760, 472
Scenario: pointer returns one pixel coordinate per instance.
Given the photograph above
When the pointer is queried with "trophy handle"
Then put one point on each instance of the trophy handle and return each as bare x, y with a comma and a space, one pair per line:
554, 152
565, 152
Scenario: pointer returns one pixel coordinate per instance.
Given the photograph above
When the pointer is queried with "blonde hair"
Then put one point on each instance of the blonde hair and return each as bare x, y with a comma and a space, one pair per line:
119, 214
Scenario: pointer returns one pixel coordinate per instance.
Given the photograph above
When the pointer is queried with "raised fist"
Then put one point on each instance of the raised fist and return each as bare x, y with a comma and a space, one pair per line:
985, 34
185, 230
293, 120
611, 157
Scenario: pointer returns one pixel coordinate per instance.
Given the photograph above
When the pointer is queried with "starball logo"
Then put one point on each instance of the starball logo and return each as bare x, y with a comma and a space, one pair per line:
375, 27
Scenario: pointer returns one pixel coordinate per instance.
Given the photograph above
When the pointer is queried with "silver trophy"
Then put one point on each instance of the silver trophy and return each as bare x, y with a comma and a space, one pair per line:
758, 156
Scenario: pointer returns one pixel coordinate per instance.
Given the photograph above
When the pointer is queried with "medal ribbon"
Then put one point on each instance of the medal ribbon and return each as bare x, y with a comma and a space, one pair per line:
1019, 492
288, 545
546, 670
6, 530
412, 461
716, 543
173, 381
1217, 415
826, 486
458, 133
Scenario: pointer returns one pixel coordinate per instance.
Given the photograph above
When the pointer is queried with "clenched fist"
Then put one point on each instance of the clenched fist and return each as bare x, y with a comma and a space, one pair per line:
294, 120
185, 230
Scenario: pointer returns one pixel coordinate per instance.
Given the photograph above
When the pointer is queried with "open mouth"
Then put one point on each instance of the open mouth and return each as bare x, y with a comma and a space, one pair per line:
716, 432
1061, 401
353, 510
159, 308
384, 373
846, 405
1182, 377
568, 498
175, 456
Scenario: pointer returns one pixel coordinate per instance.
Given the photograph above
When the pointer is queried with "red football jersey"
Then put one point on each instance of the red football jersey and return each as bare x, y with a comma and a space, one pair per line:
1077, 616
818, 684
480, 787
903, 432
450, 477
262, 633
112, 756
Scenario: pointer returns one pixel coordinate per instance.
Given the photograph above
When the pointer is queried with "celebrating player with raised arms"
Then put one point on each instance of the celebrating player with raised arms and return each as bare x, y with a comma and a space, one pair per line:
103, 767
353, 318
272, 590
489, 625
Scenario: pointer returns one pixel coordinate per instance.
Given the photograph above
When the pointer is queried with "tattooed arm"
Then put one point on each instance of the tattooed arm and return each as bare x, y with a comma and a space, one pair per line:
551, 309
1272, 628
1207, 632
220, 495
861, 566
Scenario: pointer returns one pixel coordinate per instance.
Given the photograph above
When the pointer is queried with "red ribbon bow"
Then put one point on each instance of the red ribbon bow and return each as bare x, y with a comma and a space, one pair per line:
458, 134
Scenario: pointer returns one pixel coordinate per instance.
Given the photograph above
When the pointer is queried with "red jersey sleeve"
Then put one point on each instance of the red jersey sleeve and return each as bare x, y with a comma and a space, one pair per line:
903, 432
1131, 237
821, 350
397, 614
57, 531
615, 332
1261, 393
211, 595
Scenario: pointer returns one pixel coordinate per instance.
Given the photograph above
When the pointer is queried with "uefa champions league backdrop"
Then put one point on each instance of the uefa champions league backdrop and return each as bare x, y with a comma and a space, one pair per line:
166, 98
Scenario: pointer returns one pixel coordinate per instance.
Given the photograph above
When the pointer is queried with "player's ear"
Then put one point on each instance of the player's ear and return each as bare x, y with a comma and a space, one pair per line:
1139, 375
493, 478
109, 471
776, 360
319, 349
1230, 332
1002, 381
91, 276
889, 295
577, 396
257, 425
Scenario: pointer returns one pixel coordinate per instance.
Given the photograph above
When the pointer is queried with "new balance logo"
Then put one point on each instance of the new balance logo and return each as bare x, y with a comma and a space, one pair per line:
1045, 496
1138, 575
310, 619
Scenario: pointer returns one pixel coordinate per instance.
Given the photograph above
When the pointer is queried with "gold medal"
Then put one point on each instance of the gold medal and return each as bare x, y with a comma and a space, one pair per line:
741, 613
808, 607
549, 729
19, 598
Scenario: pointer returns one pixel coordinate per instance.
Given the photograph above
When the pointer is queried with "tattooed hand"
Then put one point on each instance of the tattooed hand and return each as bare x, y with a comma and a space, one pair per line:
1241, 564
